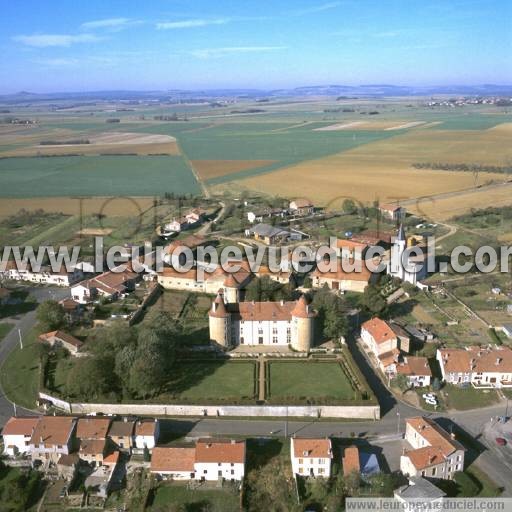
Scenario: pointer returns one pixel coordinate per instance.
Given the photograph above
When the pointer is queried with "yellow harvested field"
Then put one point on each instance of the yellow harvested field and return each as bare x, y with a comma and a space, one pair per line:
338, 126
71, 206
208, 169
370, 125
502, 128
447, 207
403, 126
383, 169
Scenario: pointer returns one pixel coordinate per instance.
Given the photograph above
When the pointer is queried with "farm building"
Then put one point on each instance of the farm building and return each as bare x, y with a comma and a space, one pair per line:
301, 206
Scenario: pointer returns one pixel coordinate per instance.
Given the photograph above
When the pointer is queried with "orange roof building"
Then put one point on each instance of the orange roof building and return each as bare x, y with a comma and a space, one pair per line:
350, 460
311, 456
435, 453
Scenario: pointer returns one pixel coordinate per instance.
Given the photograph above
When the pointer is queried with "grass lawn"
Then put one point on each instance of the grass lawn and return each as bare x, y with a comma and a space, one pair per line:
309, 379
19, 375
4, 329
468, 398
213, 380
216, 500
488, 488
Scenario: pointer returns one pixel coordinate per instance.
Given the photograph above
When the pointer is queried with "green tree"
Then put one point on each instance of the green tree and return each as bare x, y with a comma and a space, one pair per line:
373, 301
265, 289
401, 382
50, 315
349, 206
332, 318
91, 378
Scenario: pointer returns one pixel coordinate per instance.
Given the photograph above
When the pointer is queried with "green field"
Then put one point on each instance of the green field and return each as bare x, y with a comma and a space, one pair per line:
202, 381
19, 375
304, 380
5, 328
195, 500
95, 176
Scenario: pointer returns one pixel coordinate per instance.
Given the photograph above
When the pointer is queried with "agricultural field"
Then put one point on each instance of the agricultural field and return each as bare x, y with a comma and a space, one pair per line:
95, 175
361, 148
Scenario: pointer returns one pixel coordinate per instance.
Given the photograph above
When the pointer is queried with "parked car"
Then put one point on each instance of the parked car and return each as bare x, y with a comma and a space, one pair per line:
501, 441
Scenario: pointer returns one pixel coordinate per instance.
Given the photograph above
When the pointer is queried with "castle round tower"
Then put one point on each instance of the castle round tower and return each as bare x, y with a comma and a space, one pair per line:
231, 290
303, 326
219, 322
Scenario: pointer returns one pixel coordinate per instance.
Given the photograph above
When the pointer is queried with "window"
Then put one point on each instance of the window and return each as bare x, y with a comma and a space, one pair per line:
219, 472
241, 340
232, 465
321, 471
433, 471
301, 461
218, 464
232, 471
301, 470
321, 461
274, 339
205, 472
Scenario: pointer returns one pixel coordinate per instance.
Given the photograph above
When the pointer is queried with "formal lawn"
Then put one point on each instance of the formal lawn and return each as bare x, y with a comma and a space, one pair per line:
167, 495
302, 380
468, 398
104, 175
205, 380
19, 375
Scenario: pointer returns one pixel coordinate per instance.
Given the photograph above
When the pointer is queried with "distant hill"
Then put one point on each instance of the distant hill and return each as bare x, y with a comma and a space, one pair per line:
175, 95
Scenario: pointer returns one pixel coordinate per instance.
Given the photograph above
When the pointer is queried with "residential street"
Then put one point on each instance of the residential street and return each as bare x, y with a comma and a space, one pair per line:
24, 324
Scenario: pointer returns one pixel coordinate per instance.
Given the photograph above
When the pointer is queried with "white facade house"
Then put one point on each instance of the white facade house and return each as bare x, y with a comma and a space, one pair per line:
16, 435
220, 459
416, 369
311, 457
434, 453
146, 434
482, 367
45, 275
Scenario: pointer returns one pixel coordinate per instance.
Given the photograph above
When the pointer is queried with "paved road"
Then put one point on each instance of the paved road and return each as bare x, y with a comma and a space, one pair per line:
23, 324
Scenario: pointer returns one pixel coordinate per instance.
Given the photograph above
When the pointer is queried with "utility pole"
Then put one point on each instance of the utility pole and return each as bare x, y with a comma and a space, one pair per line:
14, 405
286, 425
398, 422
21, 339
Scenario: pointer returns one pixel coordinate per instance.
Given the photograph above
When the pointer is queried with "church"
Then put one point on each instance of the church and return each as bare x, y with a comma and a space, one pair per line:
284, 323
404, 263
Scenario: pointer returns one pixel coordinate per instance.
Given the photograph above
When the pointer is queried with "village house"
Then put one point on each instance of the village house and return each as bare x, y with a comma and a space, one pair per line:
434, 453
17, 433
92, 435
121, 434
301, 206
52, 437
189, 220
372, 237
62, 339
393, 212
280, 276
45, 274
416, 369
349, 249
109, 285
220, 459
342, 281
285, 323
382, 343
269, 235
358, 461
350, 461
230, 282
267, 213
482, 367
146, 434
311, 457
174, 463
73, 310
67, 466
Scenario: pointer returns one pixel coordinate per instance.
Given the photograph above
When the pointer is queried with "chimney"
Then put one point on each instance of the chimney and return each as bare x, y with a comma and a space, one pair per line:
233, 441
282, 302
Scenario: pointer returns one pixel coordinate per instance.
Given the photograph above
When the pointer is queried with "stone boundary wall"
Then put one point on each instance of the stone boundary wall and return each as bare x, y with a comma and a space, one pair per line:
364, 412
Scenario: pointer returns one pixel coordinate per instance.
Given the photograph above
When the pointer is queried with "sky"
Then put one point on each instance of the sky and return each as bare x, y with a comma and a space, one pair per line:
67, 45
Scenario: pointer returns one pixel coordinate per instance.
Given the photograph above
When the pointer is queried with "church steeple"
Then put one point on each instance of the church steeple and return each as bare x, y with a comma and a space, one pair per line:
401, 234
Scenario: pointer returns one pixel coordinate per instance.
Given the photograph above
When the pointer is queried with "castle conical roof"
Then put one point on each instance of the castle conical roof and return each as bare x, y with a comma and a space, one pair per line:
218, 309
302, 309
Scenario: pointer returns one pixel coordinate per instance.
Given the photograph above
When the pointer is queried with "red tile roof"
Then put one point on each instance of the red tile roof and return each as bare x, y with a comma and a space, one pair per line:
20, 426
220, 450
53, 430
92, 428
477, 359
312, 448
341, 275
145, 428
434, 434
172, 459
379, 330
414, 366
351, 460
62, 337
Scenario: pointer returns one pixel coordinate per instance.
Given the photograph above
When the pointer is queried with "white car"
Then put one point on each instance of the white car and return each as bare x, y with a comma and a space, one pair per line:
431, 401
429, 395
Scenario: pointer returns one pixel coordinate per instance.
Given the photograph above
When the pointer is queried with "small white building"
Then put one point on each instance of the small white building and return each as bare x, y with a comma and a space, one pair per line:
435, 453
416, 369
146, 434
311, 457
220, 459
16, 434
